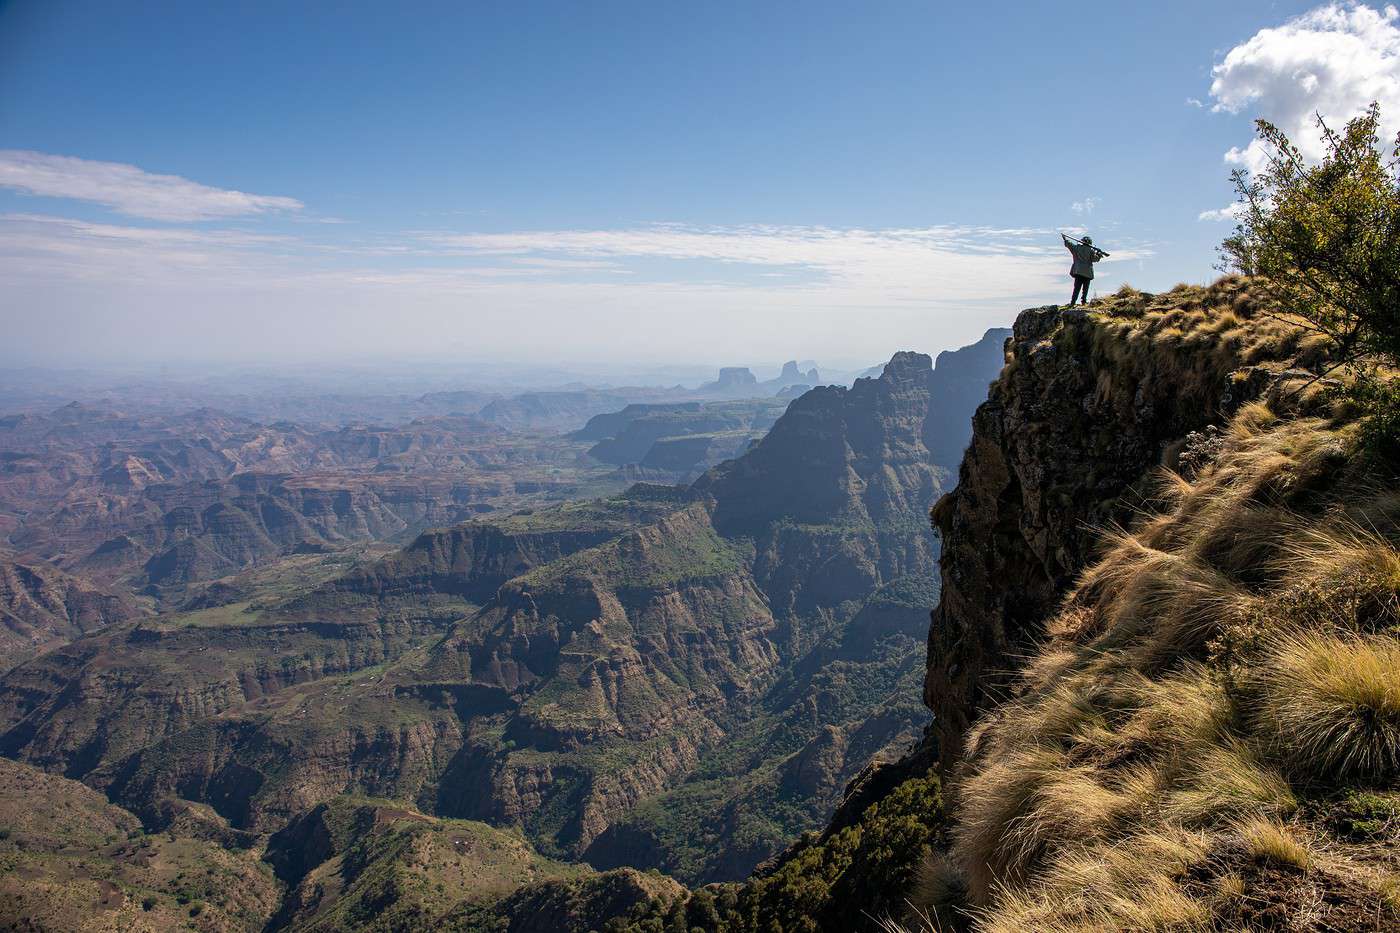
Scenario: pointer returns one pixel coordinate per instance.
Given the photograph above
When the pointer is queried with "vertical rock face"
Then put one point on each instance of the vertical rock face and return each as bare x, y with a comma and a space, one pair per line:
960, 381
1080, 416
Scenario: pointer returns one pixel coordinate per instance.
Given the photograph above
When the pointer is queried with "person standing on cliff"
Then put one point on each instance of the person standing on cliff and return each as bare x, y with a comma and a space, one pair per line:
1085, 254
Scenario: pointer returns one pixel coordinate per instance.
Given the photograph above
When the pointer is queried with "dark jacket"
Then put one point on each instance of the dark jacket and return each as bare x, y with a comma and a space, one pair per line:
1085, 256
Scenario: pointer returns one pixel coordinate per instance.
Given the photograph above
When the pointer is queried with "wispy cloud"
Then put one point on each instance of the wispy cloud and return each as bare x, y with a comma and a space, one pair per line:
850, 267
571, 265
1085, 206
129, 190
942, 264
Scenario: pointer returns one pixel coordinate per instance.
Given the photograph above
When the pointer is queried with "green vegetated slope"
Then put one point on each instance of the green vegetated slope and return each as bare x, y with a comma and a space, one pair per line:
362, 863
1165, 664
69, 860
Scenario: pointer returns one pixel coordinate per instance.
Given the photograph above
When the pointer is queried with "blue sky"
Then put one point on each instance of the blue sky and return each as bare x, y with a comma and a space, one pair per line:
613, 181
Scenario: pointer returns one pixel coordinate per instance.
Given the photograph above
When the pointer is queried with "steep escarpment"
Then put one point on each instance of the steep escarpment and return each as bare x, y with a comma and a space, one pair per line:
838, 484
828, 511
101, 698
838, 456
1205, 734
1067, 445
625, 660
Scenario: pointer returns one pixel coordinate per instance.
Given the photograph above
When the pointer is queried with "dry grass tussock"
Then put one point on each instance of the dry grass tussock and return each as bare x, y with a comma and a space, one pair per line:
1214, 684
1194, 333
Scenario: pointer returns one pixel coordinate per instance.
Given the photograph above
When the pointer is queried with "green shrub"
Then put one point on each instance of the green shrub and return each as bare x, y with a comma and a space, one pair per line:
1380, 399
1325, 238
1325, 241
841, 882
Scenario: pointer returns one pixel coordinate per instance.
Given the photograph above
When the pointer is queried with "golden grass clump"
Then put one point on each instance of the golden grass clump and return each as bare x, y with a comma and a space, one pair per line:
1270, 841
1223, 781
1331, 705
1000, 817
1194, 334
1186, 710
1129, 885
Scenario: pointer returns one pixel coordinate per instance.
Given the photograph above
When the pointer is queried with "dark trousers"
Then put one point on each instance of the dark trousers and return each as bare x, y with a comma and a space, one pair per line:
1081, 287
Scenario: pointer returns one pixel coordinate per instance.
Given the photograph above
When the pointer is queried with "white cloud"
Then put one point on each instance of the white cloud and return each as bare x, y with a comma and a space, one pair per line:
1229, 212
1085, 206
128, 189
1334, 60
1194, 102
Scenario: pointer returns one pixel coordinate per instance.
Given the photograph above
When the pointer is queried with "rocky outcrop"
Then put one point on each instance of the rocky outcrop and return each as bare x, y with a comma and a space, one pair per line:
792, 375
733, 380
960, 382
